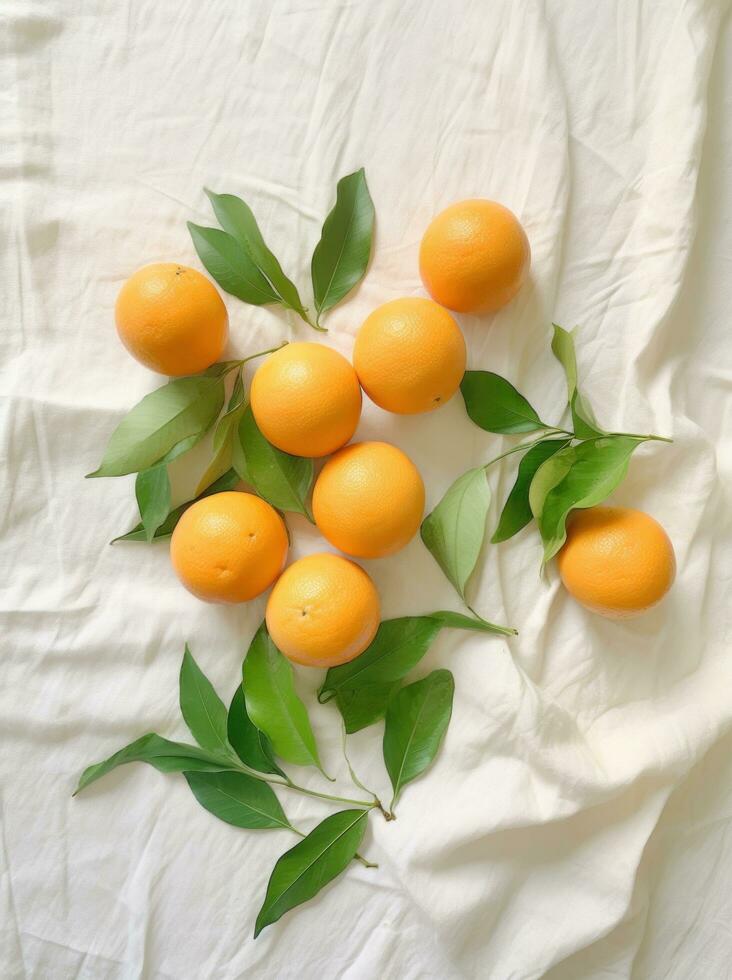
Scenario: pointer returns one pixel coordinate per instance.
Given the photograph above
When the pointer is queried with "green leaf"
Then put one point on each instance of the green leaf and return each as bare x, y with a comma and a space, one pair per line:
164, 755
516, 512
202, 709
316, 860
227, 482
583, 419
416, 721
152, 489
181, 410
363, 686
238, 799
342, 255
455, 529
398, 646
224, 435
365, 705
576, 477
228, 262
494, 404
273, 705
456, 620
281, 479
252, 746
237, 218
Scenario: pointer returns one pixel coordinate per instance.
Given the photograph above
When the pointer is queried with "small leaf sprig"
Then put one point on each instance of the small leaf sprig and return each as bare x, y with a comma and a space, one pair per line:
234, 769
242, 264
173, 419
560, 471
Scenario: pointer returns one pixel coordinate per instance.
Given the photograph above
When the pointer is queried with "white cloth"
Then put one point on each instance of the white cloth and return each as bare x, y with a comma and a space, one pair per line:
563, 831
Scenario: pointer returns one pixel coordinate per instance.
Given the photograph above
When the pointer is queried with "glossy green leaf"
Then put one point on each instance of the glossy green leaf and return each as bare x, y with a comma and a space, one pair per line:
164, 755
227, 482
398, 646
224, 436
342, 255
364, 706
311, 864
231, 266
252, 746
152, 490
238, 799
516, 512
273, 705
455, 530
281, 479
203, 710
456, 620
237, 218
583, 419
576, 477
494, 404
181, 410
416, 722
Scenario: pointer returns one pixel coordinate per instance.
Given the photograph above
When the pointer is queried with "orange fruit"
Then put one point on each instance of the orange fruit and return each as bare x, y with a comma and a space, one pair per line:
229, 547
172, 319
409, 356
616, 561
306, 399
323, 611
369, 499
474, 256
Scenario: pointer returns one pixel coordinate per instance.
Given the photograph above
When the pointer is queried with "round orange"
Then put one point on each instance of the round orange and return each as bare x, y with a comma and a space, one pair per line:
306, 399
474, 256
229, 547
409, 356
323, 611
616, 561
369, 499
172, 319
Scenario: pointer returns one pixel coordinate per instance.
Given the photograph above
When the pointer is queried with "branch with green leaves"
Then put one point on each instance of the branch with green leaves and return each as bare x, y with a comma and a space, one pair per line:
173, 419
238, 258
236, 765
560, 471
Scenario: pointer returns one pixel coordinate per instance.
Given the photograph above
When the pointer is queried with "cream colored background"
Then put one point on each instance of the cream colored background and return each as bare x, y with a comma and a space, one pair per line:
577, 822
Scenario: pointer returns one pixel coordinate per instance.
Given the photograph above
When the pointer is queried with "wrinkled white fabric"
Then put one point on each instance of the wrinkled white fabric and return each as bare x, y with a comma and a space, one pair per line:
576, 823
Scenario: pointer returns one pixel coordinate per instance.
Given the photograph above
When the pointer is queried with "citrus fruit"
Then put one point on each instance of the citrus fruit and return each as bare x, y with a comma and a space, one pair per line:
172, 319
409, 356
306, 399
474, 256
369, 499
229, 547
616, 561
323, 611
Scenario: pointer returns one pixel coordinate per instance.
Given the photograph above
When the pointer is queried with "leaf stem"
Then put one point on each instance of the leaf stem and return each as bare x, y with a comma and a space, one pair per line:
364, 862
528, 445
316, 325
365, 804
649, 438
356, 781
288, 783
261, 353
